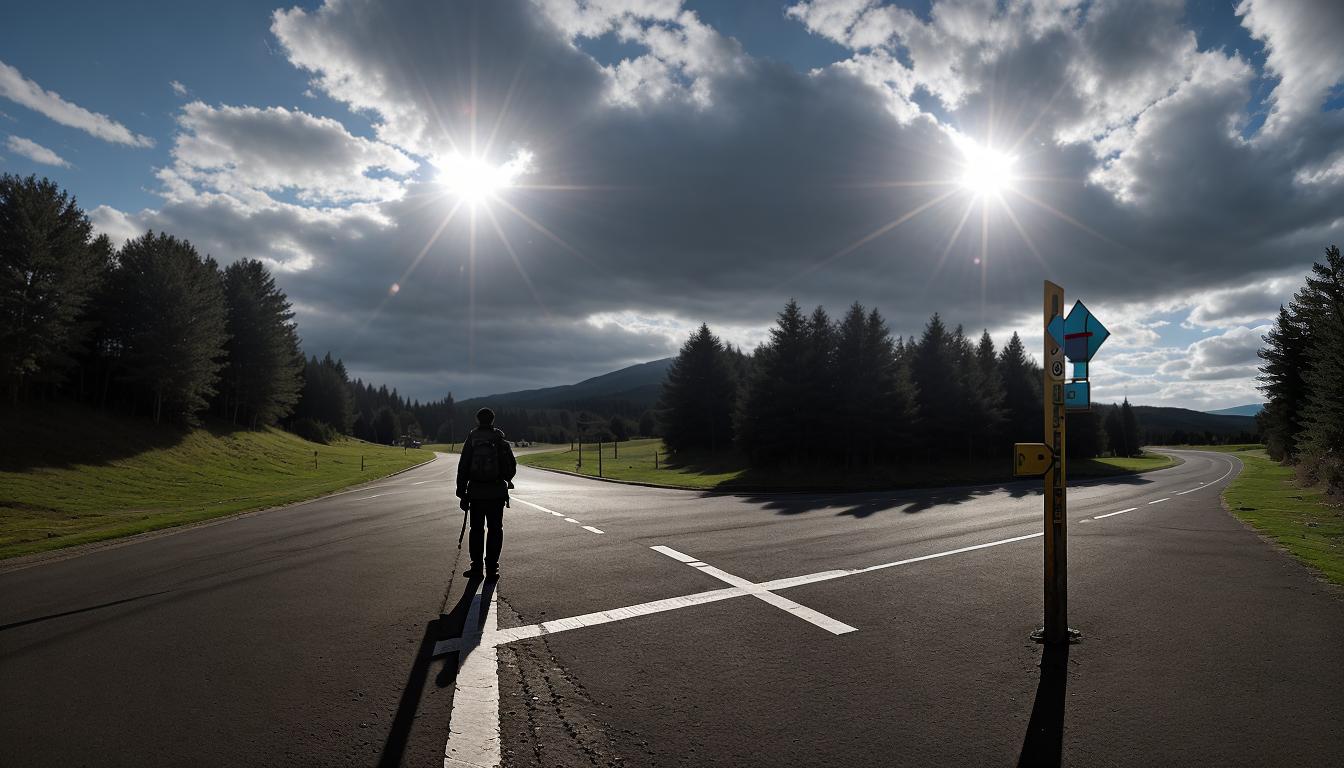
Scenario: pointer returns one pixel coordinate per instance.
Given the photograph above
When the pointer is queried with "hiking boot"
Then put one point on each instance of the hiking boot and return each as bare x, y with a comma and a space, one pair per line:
492, 573
474, 572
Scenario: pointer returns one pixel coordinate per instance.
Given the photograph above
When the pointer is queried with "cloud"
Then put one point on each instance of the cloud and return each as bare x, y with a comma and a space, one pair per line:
692, 182
247, 148
35, 152
178, 88
15, 87
1302, 47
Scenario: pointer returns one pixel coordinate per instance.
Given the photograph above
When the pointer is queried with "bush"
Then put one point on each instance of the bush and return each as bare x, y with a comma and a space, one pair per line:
313, 430
1324, 468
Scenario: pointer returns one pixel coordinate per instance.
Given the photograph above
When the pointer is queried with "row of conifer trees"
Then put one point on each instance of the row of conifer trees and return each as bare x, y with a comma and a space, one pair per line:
156, 329
1302, 377
847, 393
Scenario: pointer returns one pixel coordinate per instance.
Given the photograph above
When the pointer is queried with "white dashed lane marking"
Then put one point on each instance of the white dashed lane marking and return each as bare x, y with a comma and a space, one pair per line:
1159, 501
588, 528
1121, 512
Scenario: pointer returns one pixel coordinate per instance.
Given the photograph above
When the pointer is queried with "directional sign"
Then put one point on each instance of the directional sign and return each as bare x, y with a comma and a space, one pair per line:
1083, 334
1031, 459
1055, 328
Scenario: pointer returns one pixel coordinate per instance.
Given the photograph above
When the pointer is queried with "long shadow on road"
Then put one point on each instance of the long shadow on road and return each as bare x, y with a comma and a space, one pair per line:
447, 625
1044, 742
864, 504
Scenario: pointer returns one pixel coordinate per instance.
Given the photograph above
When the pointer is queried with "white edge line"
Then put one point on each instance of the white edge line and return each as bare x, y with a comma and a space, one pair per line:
1121, 512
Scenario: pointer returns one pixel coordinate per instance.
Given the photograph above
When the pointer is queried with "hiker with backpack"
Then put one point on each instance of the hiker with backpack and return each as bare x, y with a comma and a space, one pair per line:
484, 476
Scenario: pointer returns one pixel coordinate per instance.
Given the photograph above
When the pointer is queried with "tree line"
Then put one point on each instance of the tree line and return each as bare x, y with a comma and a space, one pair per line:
157, 330
846, 393
1302, 377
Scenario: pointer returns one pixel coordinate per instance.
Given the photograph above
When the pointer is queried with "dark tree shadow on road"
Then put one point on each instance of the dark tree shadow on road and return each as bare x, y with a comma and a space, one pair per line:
1044, 742
447, 625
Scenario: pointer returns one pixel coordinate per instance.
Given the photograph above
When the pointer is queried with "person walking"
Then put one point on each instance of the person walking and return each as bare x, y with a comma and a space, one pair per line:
484, 476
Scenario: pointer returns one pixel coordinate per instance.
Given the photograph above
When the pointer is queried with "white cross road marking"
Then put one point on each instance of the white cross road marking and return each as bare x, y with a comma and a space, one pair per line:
801, 611
473, 731
1121, 512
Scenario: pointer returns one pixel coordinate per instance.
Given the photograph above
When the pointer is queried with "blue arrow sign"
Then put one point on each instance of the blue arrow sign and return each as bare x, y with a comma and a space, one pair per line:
1083, 334
1056, 330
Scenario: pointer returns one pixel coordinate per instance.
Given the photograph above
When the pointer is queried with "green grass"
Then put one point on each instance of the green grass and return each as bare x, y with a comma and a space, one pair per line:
1109, 466
1266, 496
74, 476
1230, 448
729, 471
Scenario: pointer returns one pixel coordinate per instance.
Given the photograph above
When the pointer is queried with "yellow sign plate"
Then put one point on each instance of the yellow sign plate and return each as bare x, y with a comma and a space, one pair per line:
1031, 459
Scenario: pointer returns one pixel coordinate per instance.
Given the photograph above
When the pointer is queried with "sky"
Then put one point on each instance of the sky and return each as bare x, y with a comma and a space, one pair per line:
475, 197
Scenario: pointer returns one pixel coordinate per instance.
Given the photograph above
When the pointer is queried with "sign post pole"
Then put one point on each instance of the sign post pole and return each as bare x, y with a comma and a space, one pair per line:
1056, 625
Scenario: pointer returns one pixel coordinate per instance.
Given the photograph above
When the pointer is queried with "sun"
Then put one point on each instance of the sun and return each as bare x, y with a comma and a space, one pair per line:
474, 180
985, 172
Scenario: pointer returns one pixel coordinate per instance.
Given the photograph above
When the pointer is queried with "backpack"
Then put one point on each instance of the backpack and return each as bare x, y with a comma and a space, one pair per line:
485, 460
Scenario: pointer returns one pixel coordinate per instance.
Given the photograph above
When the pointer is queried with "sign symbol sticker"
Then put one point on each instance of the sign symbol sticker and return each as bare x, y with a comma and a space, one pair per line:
1057, 368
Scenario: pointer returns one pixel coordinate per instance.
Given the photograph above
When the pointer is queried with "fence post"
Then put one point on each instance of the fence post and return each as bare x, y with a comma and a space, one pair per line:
599, 458
314, 459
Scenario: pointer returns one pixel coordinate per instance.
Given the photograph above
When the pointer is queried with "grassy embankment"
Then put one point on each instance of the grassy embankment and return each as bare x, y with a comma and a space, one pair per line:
74, 476
729, 471
1266, 496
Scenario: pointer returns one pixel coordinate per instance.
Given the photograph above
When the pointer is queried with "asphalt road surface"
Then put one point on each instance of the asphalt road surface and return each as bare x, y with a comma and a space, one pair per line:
648, 627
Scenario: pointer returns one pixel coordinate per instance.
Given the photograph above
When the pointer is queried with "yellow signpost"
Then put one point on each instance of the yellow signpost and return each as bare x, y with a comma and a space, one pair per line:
1056, 626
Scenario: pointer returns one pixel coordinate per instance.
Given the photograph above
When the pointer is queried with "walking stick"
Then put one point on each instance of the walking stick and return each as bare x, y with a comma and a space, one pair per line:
465, 512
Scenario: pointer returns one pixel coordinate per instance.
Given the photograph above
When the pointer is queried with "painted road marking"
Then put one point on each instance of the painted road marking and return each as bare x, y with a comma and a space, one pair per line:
1159, 501
473, 730
801, 611
1109, 514
558, 514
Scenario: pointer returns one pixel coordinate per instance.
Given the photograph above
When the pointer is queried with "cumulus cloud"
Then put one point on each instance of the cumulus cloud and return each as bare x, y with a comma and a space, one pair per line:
234, 148
17, 88
35, 152
178, 88
693, 182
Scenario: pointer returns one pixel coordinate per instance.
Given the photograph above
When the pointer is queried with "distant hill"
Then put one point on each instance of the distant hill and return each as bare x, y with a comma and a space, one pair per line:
1241, 410
630, 390
1181, 425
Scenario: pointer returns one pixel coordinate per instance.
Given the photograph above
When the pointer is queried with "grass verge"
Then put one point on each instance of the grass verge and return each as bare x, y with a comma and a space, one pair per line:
1230, 448
633, 461
74, 476
1266, 496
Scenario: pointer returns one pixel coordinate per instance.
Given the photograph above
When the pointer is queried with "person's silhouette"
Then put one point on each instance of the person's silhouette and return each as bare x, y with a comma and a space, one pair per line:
484, 476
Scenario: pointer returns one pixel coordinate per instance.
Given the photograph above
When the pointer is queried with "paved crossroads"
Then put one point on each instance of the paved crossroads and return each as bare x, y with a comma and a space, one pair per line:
894, 632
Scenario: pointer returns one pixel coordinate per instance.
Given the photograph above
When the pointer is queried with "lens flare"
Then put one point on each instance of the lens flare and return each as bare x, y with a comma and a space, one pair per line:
985, 171
474, 180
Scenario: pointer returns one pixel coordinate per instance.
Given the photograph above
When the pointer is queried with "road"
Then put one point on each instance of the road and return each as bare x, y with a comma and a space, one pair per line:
861, 629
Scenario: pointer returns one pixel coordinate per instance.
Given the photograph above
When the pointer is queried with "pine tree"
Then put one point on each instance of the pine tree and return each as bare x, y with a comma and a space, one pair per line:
699, 396
262, 374
50, 266
1322, 417
767, 412
1282, 380
169, 323
986, 388
1022, 400
935, 361
1129, 430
